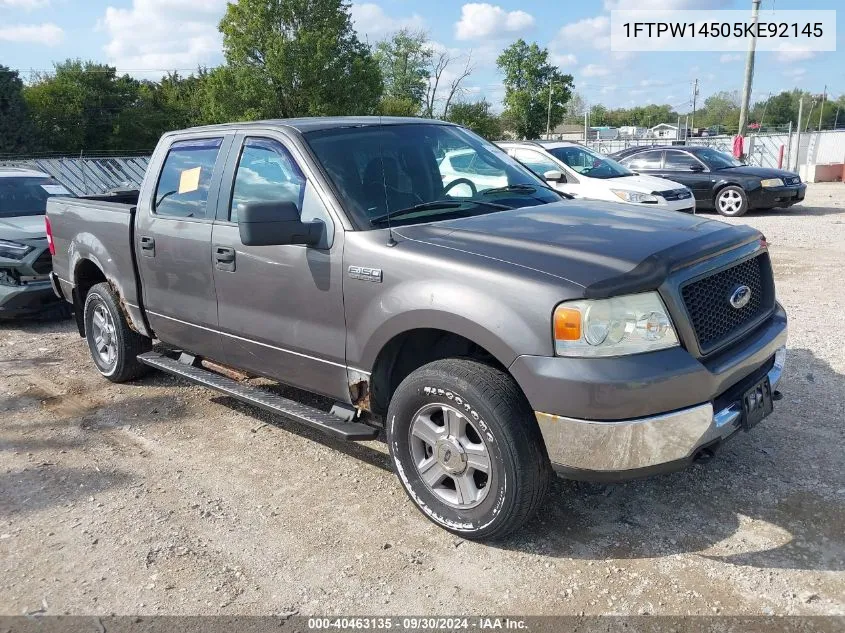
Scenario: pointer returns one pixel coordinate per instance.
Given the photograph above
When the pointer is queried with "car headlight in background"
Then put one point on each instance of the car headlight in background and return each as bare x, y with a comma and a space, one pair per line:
635, 196
771, 182
630, 324
14, 250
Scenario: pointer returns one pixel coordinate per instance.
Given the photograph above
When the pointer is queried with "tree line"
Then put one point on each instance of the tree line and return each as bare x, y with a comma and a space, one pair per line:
282, 59
722, 110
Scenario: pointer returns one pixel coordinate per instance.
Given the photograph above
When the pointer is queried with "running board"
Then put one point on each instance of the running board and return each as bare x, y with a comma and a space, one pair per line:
309, 416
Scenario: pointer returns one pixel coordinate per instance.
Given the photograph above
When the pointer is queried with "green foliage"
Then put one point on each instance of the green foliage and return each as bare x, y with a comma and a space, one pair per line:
404, 61
528, 78
478, 117
297, 58
77, 106
16, 133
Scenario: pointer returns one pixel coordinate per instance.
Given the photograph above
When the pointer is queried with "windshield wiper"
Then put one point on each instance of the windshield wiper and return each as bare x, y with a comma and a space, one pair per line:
526, 188
435, 205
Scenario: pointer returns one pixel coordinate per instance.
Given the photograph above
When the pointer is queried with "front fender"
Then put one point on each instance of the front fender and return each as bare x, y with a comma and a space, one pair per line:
485, 319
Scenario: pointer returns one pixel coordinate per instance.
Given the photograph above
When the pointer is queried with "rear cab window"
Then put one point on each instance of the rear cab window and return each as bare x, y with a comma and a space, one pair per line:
182, 190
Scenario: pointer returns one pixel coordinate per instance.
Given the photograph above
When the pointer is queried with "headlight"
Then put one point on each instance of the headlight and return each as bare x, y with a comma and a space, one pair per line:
635, 196
13, 250
771, 182
630, 324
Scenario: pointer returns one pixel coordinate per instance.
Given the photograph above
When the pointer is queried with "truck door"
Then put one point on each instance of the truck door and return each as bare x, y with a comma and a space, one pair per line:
173, 242
280, 307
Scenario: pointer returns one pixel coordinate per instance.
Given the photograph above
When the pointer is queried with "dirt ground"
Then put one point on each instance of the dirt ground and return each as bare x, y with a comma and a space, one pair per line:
160, 497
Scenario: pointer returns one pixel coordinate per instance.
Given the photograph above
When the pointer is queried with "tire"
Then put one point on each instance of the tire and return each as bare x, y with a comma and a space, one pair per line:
114, 350
454, 414
731, 201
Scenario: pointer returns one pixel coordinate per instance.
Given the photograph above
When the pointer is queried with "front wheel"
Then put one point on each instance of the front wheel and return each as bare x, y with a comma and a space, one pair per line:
467, 449
731, 201
113, 344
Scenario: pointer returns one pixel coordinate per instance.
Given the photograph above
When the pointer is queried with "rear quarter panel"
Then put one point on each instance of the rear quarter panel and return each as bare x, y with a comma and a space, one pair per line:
100, 232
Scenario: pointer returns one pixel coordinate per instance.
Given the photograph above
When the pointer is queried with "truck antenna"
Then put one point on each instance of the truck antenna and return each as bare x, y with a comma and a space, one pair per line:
390, 241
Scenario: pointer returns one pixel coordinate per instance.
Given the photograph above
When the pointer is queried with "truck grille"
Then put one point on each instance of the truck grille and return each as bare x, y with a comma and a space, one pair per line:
708, 303
44, 264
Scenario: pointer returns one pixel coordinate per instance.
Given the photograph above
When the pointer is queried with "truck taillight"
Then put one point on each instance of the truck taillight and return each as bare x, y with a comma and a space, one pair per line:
50, 244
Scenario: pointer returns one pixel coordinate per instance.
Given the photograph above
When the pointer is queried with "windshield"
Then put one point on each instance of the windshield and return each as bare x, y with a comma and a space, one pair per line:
588, 163
717, 160
421, 172
27, 195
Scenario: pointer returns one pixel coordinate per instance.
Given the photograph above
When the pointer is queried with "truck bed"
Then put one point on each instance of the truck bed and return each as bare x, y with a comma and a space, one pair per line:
100, 229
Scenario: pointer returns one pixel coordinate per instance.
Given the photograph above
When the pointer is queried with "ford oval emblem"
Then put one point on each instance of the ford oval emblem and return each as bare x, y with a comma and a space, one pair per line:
740, 297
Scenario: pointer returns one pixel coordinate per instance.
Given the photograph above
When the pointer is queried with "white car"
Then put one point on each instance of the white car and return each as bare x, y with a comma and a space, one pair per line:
466, 164
581, 172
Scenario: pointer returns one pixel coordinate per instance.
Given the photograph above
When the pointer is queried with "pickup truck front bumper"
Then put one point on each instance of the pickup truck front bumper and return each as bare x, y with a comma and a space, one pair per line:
680, 407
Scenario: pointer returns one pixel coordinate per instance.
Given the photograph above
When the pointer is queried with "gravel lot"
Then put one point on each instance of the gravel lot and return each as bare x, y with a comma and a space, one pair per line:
159, 497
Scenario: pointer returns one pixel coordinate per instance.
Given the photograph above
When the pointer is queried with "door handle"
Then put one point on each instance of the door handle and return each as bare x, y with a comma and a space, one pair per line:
224, 258
148, 246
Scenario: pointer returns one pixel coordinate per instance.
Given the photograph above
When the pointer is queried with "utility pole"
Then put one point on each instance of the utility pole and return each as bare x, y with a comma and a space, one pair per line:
694, 97
549, 115
749, 69
821, 111
798, 132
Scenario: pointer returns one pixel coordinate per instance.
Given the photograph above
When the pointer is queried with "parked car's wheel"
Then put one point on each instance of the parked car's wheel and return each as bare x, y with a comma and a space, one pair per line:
731, 201
467, 448
113, 344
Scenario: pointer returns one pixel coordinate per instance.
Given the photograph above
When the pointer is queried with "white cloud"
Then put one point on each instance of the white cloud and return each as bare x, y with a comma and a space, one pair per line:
48, 33
795, 73
564, 59
607, 89
24, 4
788, 55
159, 35
594, 31
726, 58
646, 83
373, 23
482, 20
595, 70
666, 5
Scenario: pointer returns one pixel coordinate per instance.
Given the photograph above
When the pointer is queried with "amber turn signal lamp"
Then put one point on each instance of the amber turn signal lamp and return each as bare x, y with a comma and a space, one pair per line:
567, 324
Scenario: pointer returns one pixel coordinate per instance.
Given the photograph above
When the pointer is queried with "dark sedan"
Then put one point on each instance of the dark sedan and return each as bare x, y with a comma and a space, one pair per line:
718, 181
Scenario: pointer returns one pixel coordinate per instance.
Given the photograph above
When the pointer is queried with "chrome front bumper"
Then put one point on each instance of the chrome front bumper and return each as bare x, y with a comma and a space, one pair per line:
587, 446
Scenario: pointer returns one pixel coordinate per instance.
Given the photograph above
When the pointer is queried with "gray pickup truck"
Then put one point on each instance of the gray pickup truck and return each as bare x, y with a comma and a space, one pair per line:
494, 331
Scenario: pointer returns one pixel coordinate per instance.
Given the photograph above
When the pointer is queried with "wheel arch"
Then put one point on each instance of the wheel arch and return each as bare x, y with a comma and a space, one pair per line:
410, 349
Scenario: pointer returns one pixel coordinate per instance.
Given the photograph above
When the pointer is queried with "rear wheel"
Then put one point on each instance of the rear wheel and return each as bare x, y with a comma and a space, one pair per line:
113, 344
467, 449
731, 201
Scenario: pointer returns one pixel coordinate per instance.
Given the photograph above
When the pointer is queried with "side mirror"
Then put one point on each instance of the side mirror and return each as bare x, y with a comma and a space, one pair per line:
554, 175
275, 224
696, 168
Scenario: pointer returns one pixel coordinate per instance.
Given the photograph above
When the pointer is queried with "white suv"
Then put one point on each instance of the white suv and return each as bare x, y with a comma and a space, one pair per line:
581, 172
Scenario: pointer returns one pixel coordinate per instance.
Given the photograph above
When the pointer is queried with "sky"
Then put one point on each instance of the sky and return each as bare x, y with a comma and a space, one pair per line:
145, 38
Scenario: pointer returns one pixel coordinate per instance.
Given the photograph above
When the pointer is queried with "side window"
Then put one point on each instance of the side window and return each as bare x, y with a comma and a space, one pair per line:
646, 160
461, 162
266, 173
182, 190
535, 161
680, 161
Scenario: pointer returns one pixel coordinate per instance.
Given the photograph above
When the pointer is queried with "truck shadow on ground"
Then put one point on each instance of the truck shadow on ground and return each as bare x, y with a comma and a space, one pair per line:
772, 498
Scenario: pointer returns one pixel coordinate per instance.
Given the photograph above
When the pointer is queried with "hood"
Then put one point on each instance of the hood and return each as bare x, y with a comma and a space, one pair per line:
604, 247
22, 227
642, 183
758, 172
